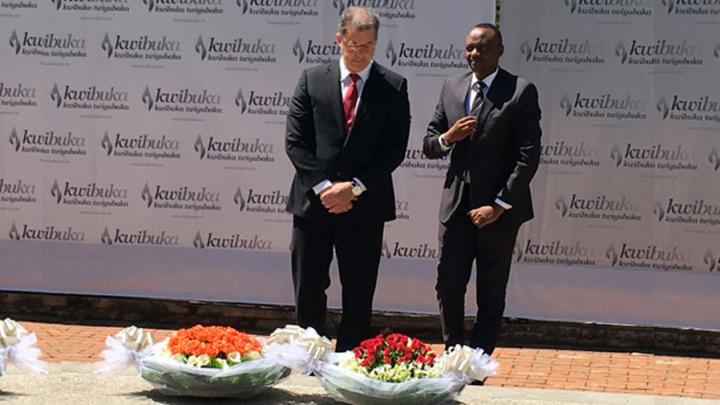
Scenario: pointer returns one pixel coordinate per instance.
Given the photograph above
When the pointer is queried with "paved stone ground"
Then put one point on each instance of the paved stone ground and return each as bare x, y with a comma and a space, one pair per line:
615, 372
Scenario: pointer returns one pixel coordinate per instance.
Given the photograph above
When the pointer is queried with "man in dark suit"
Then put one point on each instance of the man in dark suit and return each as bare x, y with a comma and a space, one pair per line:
347, 130
488, 120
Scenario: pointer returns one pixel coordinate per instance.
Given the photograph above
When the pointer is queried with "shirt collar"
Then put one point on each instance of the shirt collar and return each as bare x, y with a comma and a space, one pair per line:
488, 80
344, 72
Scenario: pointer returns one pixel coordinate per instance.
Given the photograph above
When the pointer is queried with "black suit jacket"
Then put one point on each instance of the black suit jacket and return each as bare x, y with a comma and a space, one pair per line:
502, 155
320, 149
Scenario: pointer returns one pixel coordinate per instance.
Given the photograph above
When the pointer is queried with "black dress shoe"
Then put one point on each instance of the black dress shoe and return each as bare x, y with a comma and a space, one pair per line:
478, 382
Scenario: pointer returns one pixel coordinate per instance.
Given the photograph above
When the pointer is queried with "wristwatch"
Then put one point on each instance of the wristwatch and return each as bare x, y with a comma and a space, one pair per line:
357, 189
444, 141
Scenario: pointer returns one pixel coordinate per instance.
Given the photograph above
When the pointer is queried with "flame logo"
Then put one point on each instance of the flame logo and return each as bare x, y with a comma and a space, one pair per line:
56, 96
150, 4
240, 101
659, 211
386, 250
662, 107
198, 242
107, 45
561, 206
297, 50
106, 143
14, 233
147, 98
566, 105
239, 199
390, 53
14, 140
15, 42
610, 254
105, 238
200, 48
526, 50
709, 259
713, 157
616, 155
56, 192
621, 52
518, 253
716, 52
57, 3
670, 4
338, 4
200, 147
146, 195
243, 4
572, 4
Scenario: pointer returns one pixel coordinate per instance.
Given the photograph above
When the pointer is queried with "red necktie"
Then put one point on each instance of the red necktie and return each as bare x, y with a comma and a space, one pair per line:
349, 101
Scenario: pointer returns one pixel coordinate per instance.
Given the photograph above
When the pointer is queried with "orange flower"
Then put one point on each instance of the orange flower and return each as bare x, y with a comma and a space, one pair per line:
214, 341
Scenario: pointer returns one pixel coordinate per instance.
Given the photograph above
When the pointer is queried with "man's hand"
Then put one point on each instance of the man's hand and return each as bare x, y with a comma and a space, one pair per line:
485, 215
337, 198
461, 129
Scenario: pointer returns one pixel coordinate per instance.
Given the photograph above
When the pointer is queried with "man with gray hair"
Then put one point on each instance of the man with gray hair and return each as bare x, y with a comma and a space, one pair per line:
347, 130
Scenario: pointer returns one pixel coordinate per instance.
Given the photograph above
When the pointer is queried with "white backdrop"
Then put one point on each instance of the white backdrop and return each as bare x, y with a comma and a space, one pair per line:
627, 196
143, 142
143, 151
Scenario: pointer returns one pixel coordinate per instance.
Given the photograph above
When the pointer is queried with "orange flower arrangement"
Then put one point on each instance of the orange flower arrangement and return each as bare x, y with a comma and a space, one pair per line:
213, 341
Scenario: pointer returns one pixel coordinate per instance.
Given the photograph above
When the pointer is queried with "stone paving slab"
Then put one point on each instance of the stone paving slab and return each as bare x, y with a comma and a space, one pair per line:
75, 384
548, 369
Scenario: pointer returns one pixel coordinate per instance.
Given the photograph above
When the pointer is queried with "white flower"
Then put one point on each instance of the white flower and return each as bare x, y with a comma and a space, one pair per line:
464, 360
317, 346
234, 357
135, 338
11, 332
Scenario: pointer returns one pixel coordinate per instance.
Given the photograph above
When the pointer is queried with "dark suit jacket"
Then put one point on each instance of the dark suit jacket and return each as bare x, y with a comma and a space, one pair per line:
319, 149
502, 155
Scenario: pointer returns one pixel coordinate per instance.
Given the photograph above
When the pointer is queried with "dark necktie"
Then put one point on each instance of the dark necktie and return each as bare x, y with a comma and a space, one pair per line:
350, 101
479, 97
475, 111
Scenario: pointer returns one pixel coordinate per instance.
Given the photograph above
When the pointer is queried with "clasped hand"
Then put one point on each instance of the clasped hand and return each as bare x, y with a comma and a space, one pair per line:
337, 198
485, 215
461, 129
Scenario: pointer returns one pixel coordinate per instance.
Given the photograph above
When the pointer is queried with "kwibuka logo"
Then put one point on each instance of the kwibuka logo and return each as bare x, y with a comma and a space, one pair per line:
106, 144
56, 96
240, 101
711, 261
239, 199
714, 159
107, 45
298, 51
616, 155
200, 147
15, 140
15, 42
14, 235
391, 54
147, 98
200, 48
663, 108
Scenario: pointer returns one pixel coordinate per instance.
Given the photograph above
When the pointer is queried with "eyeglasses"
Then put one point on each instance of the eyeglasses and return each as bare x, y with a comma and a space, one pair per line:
359, 47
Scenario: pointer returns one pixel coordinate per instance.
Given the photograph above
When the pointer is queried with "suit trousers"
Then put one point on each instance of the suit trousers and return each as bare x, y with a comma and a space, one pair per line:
491, 248
358, 248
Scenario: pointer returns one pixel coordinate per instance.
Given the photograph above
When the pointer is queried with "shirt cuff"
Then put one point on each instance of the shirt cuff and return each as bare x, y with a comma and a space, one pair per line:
360, 183
443, 147
502, 204
322, 186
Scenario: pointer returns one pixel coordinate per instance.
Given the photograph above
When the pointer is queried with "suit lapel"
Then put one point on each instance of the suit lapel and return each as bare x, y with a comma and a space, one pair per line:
335, 94
461, 93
